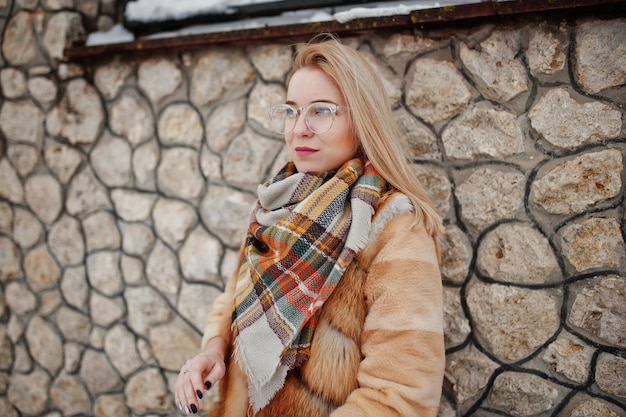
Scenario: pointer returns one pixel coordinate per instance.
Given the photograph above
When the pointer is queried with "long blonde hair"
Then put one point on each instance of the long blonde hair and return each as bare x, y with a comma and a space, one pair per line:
371, 117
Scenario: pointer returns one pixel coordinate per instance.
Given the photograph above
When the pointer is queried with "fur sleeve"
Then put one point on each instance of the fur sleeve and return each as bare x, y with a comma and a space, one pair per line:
401, 372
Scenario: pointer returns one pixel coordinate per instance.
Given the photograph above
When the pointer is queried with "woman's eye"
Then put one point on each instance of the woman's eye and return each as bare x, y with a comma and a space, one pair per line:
323, 111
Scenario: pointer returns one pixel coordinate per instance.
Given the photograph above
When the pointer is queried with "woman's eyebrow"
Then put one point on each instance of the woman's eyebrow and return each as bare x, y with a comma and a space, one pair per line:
293, 103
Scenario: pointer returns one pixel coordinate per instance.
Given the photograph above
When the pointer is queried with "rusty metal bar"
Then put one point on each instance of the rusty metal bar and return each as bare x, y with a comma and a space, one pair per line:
419, 19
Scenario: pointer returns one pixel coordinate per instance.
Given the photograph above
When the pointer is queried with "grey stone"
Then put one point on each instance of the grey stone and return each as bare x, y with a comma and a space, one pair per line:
437, 186
18, 40
519, 254
261, 98
74, 287
79, 117
593, 242
22, 121
173, 344
173, 220
178, 173
522, 394
10, 260
110, 406
200, 256
146, 308
483, 133
19, 298
74, 326
547, 50
598, 309
220, 74
13, 83
43, 195
569, 356
66, 241
565, 123
498, 74
43, 90
162, 269
224, 212
63, 160
593, 407
111, 76
98, 374
600, 55
456, 255
159, 78
272, 61
223, 123
456, 325
27, 229
44, 344
105, 311
40, 268
195, 301
144, 162
436, 90
104, 273
24, 158
10, 185
86, 194
72, 354
111, 161
180, 124
26, 394
249, 157
575, 185
6, 353
50, 302
513, 322
137, 238
611, 374
421, 142
130, 117
489, 195
132, 205
62, 29
101, 231
120, 348
146, 392
6, 218
468, 371
132, 270
69, 394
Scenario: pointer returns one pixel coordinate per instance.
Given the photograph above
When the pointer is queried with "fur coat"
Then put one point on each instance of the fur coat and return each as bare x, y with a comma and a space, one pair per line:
378, 349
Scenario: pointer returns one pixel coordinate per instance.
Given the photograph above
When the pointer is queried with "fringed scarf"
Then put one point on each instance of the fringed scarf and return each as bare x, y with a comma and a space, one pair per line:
304, 231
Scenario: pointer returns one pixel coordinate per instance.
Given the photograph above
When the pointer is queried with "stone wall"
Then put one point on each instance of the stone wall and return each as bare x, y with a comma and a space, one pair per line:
125, 185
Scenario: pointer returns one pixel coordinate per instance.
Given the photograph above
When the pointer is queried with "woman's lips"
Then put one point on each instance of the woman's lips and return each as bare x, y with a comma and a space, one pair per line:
304, 151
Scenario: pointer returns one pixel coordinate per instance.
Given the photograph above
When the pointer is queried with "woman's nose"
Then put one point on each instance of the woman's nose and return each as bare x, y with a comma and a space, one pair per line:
302, 127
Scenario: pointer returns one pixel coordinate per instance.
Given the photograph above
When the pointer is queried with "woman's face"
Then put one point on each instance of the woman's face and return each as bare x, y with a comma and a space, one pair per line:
312, 152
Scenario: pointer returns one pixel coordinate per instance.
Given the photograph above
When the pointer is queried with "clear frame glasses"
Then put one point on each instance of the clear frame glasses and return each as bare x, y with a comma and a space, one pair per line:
319, 117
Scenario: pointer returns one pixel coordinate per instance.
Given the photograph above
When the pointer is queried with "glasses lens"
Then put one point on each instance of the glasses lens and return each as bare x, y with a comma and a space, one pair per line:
283, 118
320, 117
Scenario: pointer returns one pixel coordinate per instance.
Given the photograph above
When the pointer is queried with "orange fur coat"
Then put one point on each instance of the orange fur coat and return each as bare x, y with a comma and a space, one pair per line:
378, 349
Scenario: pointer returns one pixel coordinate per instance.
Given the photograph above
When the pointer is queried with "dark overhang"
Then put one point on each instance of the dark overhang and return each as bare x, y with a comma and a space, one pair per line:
418, 19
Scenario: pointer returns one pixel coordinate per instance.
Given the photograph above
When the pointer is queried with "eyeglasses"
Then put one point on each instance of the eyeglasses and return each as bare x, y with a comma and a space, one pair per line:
319, 117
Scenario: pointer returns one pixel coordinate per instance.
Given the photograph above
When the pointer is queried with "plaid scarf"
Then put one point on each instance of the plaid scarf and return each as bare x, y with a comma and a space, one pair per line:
304, 231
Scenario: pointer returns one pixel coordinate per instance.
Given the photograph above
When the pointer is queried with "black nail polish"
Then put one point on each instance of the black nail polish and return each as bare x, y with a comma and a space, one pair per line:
207, 384
199, 394
194, 409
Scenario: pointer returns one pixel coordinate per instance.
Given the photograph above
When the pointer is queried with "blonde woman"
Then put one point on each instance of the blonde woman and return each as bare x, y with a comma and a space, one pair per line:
336, 309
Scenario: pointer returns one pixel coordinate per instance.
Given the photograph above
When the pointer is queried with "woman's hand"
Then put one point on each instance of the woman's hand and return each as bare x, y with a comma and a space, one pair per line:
199, 373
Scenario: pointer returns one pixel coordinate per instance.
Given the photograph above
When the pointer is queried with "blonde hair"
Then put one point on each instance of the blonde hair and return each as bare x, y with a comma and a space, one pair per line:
371, 117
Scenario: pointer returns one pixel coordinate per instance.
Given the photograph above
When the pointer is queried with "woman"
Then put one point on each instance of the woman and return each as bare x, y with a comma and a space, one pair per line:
336, 309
